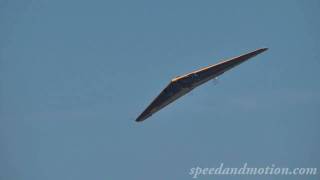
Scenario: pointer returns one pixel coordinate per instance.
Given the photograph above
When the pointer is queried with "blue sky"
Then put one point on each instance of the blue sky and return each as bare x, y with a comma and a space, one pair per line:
74, 75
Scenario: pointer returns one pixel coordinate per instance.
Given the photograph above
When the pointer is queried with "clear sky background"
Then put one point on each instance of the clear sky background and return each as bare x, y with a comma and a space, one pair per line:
74, 75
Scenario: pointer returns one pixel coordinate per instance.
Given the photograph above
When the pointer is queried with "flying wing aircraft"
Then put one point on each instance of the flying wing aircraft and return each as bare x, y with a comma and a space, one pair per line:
181, 85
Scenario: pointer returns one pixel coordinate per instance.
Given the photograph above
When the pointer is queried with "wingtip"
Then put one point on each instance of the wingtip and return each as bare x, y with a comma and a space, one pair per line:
143, 117
264, 49
139, 120
260, 50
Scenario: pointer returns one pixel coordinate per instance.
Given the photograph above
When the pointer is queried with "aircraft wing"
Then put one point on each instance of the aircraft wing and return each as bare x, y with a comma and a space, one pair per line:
183, 84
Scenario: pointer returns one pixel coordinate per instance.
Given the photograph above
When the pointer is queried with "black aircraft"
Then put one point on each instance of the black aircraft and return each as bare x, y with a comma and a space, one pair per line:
181, 85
